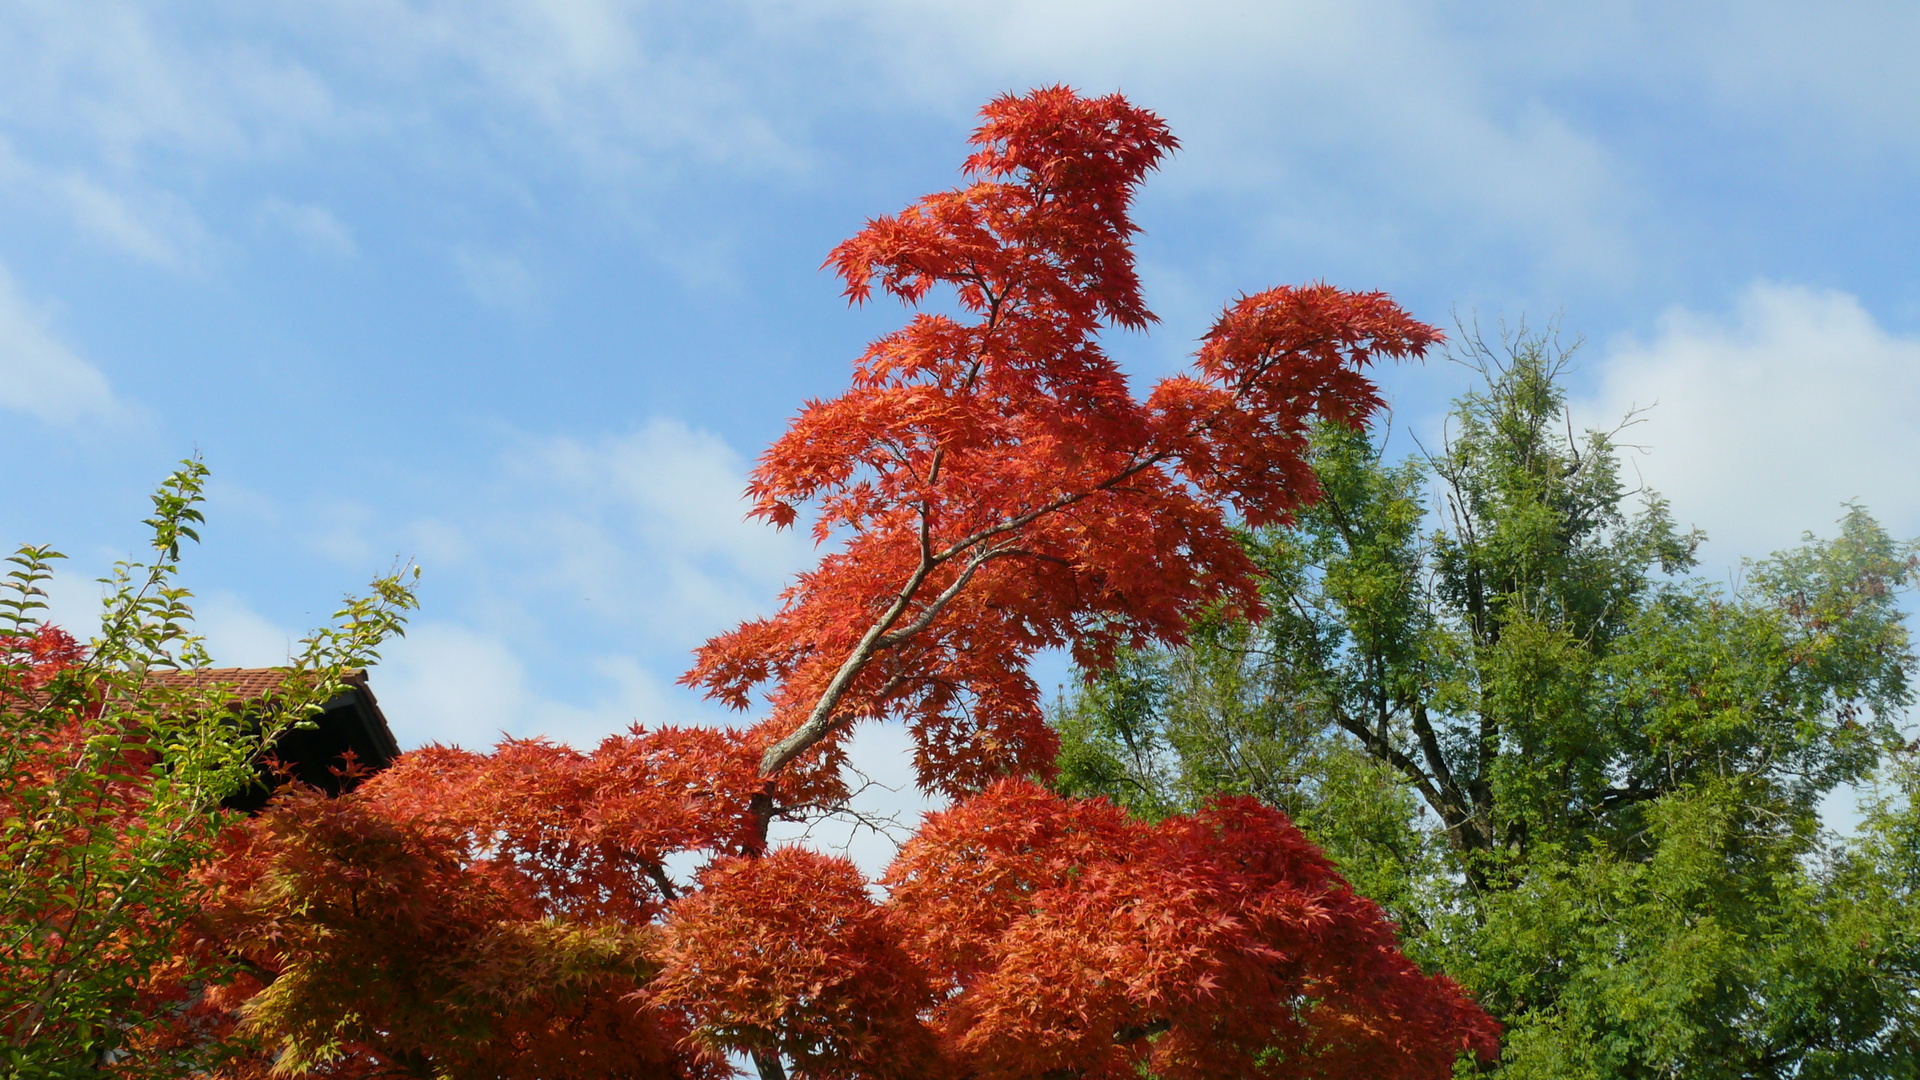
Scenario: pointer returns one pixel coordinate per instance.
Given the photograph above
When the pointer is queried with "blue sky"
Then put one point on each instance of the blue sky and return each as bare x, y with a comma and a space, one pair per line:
518, 289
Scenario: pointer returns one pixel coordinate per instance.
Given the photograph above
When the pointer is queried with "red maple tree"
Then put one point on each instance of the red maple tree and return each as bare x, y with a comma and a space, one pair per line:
1001, 489
992, 488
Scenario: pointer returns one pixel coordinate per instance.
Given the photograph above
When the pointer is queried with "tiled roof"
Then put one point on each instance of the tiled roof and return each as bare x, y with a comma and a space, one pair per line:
254, 684
246, 683
351, 722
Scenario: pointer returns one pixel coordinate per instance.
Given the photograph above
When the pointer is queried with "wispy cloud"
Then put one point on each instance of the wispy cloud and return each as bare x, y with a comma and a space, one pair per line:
646, 529
1370, 124
39, 373
616, 83
238, 636
1414, 131
451, 683
121, 113
498, 280
109, 80
1841, 76
634, 542
148, 224
1762, 420
313, 227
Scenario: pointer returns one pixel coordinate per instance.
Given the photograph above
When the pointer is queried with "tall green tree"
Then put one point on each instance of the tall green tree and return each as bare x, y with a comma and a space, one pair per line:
1586, 783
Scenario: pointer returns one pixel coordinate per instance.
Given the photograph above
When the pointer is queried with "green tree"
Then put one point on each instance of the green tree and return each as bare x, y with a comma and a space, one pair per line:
110, 790
1585, 783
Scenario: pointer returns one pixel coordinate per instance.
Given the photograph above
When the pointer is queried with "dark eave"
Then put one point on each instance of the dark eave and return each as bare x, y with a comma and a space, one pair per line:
315, 753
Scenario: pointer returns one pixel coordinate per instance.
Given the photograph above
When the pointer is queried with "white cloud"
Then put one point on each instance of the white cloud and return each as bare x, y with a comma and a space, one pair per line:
1395, 127
109, 75
238, 636
39, 373
150, 225
1839, 75
497, 279
113, 96
635, 541
338, 529
73, 599
1378, 95
641, 535
1351, 121
103, 102
1767, 418
313, 227
235, 634
451, 683
646, 529
448, 683
563, 600
610, 80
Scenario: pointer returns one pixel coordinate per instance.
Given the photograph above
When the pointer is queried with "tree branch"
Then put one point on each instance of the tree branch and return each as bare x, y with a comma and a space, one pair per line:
1387, 752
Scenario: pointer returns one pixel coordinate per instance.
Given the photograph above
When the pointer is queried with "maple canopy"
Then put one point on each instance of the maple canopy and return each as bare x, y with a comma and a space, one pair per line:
994, 488
999, 487
513, 915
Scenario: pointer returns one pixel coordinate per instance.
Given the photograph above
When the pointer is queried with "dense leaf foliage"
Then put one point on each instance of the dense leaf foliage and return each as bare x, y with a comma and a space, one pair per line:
1585, 784
993, 488
1022, 934
1000, 489
461, 915
110, 785
1077, 942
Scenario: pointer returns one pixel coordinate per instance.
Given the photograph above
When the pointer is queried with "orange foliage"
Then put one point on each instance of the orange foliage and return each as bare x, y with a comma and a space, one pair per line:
788, 953
1073, 940
29, 661
1022, 935
999, 490
489, 914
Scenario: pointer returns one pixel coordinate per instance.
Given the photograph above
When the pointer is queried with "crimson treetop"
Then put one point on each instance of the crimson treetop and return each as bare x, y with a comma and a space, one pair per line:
999, 488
